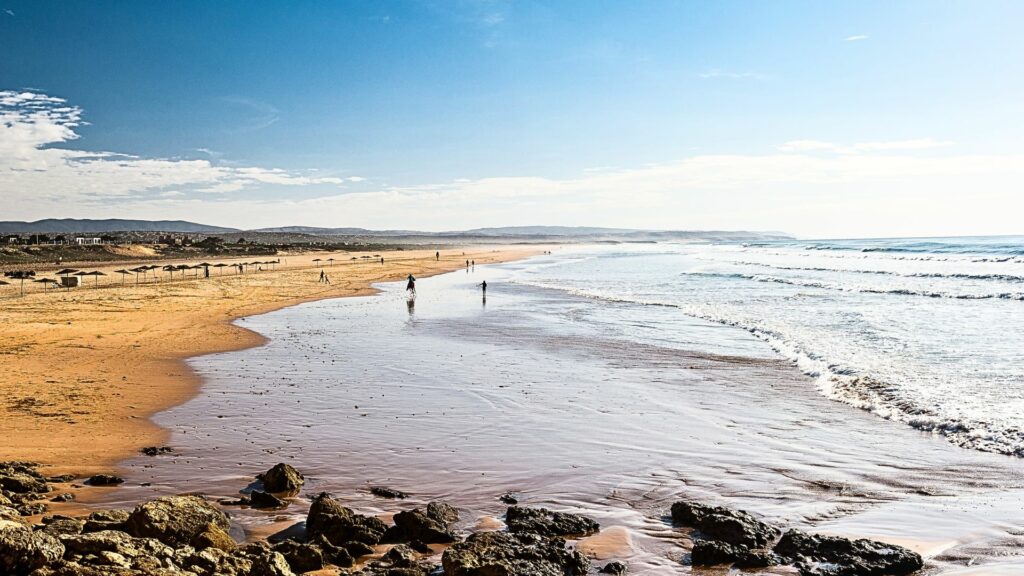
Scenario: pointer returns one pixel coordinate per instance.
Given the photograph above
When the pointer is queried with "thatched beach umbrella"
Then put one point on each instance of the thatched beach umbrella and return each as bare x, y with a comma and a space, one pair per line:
96, 276
222, 266
318, 261
21, 275
123, 273
46, 281
66, 272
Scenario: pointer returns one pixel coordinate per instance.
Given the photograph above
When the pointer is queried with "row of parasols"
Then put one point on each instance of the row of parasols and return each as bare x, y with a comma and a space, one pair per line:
140, 272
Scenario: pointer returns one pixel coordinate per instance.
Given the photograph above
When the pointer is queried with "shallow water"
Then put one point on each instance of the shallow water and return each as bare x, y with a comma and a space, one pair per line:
614, 409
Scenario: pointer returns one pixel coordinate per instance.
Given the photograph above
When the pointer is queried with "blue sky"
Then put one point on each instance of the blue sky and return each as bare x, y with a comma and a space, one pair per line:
818, 118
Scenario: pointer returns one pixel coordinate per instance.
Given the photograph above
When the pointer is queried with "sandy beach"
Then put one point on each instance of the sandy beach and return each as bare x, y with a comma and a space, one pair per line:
85, 369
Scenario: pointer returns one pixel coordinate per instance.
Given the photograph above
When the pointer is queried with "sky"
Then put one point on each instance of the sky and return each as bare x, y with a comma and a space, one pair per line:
819, 119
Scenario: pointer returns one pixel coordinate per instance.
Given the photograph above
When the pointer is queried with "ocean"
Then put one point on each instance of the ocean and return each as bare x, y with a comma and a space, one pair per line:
862, 388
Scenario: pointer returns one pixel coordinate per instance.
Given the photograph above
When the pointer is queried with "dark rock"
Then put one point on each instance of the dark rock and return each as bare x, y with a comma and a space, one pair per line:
174, 520
340, 525
734, 527
711, 552
58, 526
421, 547
64, 497
505, 554
401, 556
547, 522
429, 526
90, 544
258, 499
385, 492
243, 501
282, 478
23, 550
156, 450
357, 549
269, 563
104, 480
22, 483
105, 520
213, 536
31, 509
338, 555
61, 479
616, 568
301, 557
509, 499
834, 556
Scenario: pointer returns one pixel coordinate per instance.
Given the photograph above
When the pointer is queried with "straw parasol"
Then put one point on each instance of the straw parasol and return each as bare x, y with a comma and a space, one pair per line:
45, 281
96, 276
123, 273
318, 261
222, 266
21, 275
65, 272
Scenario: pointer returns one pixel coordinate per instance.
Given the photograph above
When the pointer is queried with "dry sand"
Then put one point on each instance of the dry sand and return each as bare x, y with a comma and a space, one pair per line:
83, 370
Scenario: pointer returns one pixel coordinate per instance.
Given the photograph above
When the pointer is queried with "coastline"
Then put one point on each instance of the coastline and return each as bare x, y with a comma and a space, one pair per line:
86, 370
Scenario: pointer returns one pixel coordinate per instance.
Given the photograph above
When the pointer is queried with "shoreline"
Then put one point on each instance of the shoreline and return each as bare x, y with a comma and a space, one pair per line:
85, 376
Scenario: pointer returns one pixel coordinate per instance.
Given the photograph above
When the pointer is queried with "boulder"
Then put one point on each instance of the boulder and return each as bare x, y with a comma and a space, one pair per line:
58, 526
340, 525
505, 554
92, 543
385, 492
301, 557
548, 523
156, 450
22, 478
105, 520
835, 556
213, 536
104, 480
429, 526
734, 527
174, 520
614, 568
258, 499
23, 550
711, 552
282, 478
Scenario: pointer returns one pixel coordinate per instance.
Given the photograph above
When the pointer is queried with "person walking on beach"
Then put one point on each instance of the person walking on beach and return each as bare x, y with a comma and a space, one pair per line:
411, 285
437, 256
483, 285
322, 276
381, 260
327, 280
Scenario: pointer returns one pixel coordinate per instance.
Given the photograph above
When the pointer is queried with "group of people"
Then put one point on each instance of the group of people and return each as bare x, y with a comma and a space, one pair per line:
323, 278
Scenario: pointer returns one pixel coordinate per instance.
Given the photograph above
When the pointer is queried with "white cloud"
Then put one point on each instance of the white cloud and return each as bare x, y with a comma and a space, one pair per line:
856, 38
33, 125
892, 145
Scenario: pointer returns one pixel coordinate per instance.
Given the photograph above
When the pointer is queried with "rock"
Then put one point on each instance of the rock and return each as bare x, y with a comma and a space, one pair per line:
548, 523
104, 480
385, 492
8, 513
616, 568
65, 497
58, 526
282, 478
338, 555
508, 498
421, 547
357, 549
105, 520
505, 554
401, 555
174, 520
23, 550
270, 564
340, 525
258, 499
23, 483
836, 556
301, 557
430, 526
213, 536
711, 552
92, 543
156, 450
31, 509
734, 527
61, 479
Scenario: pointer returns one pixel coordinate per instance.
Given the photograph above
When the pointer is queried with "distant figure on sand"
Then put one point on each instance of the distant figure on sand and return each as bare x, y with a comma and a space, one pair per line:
381, 260
437, 255
483, 285
322, 276
411, 285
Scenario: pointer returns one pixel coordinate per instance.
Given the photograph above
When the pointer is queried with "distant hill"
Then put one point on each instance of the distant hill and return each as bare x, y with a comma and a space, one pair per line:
539, 232
71, 225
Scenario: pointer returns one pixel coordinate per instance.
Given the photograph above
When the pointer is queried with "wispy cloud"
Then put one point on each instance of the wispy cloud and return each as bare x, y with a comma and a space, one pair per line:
716, 73
34, 125
856, 38
862, 147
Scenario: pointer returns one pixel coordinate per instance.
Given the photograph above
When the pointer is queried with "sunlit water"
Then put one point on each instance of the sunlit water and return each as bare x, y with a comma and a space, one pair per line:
568, 388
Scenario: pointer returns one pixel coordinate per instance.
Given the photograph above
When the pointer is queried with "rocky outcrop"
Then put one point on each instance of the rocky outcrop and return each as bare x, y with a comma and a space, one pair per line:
816, 555
340, 525
23, 550
734, 527
524, 554
430, 526
711, 552
548, 523
104, 480
175, 520
282, 478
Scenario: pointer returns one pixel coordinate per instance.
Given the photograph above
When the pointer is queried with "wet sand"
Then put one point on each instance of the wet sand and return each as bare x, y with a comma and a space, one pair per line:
85, 369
